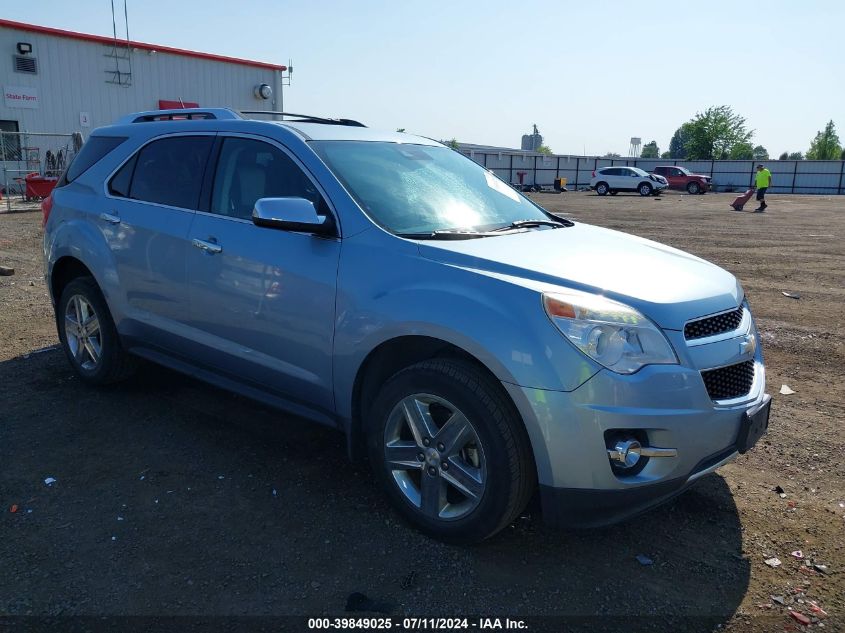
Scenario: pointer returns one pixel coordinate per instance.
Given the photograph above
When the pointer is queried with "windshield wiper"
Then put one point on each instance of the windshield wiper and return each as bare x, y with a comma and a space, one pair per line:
522, 224
447, 234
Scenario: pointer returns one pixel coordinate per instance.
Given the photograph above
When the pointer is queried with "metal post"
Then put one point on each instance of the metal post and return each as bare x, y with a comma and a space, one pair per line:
794, 175
5, 173
577, 170
841, 175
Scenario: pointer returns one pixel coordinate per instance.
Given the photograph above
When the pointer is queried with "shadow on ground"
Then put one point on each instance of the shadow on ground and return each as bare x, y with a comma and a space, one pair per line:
172, 497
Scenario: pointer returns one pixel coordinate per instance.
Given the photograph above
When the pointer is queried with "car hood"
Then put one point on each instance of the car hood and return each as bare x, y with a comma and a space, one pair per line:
667, 285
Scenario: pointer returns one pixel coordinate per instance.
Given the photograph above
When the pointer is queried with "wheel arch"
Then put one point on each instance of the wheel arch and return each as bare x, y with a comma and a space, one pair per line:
63, 271
387, 359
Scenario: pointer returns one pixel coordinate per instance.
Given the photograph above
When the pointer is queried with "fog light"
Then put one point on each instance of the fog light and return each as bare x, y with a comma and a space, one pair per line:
626, 453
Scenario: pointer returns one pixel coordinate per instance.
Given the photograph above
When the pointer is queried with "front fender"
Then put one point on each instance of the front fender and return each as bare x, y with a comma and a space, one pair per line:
387, 290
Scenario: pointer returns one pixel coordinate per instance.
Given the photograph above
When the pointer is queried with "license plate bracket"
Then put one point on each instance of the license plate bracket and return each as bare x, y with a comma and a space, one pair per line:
755, 422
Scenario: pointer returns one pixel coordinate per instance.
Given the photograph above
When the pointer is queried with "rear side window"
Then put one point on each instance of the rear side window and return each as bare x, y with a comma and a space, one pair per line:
90, 154
121, 181
168, 171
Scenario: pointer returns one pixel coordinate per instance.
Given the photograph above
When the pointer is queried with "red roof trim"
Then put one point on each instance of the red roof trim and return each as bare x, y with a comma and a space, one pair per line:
34, 28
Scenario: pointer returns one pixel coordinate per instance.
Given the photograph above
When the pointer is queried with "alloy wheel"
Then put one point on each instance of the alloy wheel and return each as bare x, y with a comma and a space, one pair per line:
435, 457
82, 332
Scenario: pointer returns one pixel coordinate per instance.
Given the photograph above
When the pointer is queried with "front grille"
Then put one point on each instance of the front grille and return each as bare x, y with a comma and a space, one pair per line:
710, 326
733, 381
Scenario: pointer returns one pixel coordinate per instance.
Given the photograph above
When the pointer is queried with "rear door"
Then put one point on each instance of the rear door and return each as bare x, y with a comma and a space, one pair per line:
611, 175
677, 178
263, 299
626, 179
152, 199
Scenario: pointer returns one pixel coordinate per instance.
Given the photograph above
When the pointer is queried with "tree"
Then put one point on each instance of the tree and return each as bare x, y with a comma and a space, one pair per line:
666, 155
741, 151
826, 145
650, 150
784, 156
796, 156
612, 155
453, 144
545, 149
677, 146
843, 155
713, 134
761, 153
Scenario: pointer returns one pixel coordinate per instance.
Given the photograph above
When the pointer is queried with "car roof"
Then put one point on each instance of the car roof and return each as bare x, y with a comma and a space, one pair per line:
309, 128
324, 132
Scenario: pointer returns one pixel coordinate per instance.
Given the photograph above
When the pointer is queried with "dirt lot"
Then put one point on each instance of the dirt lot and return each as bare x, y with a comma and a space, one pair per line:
175, 498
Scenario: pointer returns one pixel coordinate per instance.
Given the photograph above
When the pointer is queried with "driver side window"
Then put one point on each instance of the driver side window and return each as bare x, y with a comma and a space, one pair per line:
248, 170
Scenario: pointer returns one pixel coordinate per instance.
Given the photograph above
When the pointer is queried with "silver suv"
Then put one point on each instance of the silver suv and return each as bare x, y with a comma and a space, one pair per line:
473, 346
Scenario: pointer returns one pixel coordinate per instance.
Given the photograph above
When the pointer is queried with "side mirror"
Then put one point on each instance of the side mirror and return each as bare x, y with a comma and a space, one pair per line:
291, 214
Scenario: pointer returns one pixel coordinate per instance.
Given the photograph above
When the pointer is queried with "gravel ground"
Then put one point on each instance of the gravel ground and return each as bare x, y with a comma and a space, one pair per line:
175, 498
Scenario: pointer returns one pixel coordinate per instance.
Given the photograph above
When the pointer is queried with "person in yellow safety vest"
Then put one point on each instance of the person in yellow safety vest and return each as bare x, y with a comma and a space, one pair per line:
763, 182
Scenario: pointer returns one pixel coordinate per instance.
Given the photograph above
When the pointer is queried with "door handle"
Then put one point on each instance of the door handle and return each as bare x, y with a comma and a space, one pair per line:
209, 247
110, 218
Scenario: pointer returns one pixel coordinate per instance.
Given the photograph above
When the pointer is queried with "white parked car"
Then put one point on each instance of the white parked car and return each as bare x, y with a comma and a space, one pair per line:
612, 180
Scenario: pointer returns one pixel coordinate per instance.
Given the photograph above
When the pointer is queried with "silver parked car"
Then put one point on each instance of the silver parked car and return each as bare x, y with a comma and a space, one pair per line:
612, 180
472, 345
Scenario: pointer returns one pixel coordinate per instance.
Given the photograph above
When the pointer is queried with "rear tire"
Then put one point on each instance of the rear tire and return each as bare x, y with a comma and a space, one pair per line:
88, 335
469, 484
693, 188
645, 189
602, 189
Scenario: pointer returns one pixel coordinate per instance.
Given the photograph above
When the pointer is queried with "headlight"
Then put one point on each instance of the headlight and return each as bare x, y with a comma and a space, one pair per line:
611, 333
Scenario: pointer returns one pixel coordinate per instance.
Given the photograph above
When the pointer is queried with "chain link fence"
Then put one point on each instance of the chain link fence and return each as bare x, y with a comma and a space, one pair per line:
32, 163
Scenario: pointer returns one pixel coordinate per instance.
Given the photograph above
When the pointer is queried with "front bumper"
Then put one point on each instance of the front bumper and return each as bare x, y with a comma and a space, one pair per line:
668, 403
585, 508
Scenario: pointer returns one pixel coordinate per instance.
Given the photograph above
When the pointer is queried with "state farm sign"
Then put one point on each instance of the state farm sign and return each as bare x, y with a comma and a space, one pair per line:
19, 97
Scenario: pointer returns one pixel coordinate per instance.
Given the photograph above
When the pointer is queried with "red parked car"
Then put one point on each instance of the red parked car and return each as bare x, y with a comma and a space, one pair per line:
681, 178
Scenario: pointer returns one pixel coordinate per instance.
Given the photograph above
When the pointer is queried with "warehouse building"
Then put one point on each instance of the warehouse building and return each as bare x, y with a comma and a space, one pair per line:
58, 81
59, 85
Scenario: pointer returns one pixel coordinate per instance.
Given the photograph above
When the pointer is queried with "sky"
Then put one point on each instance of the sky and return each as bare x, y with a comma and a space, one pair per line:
590, 74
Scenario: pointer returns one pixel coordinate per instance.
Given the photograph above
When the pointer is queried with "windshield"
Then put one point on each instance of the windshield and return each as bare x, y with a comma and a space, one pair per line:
639, 171
684, 171
418, 189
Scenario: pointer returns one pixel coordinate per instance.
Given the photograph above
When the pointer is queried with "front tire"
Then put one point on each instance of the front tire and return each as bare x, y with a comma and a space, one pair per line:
88, 335
450, 451
693, 188
602, 189
645, 189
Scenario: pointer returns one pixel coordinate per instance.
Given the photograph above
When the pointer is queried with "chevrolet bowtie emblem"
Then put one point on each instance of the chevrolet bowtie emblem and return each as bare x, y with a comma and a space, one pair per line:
748, 344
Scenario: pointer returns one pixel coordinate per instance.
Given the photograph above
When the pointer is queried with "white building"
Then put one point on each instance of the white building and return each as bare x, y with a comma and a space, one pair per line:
57, 81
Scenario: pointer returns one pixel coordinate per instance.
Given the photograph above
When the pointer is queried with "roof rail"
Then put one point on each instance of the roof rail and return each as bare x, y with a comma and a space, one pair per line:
307, 118
178, 115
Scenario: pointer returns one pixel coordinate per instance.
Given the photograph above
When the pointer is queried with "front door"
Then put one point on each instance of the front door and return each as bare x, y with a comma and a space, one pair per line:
263, 299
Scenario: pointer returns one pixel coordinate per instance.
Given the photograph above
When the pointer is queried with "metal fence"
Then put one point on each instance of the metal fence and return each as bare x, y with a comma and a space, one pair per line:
788, 176
32, 163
